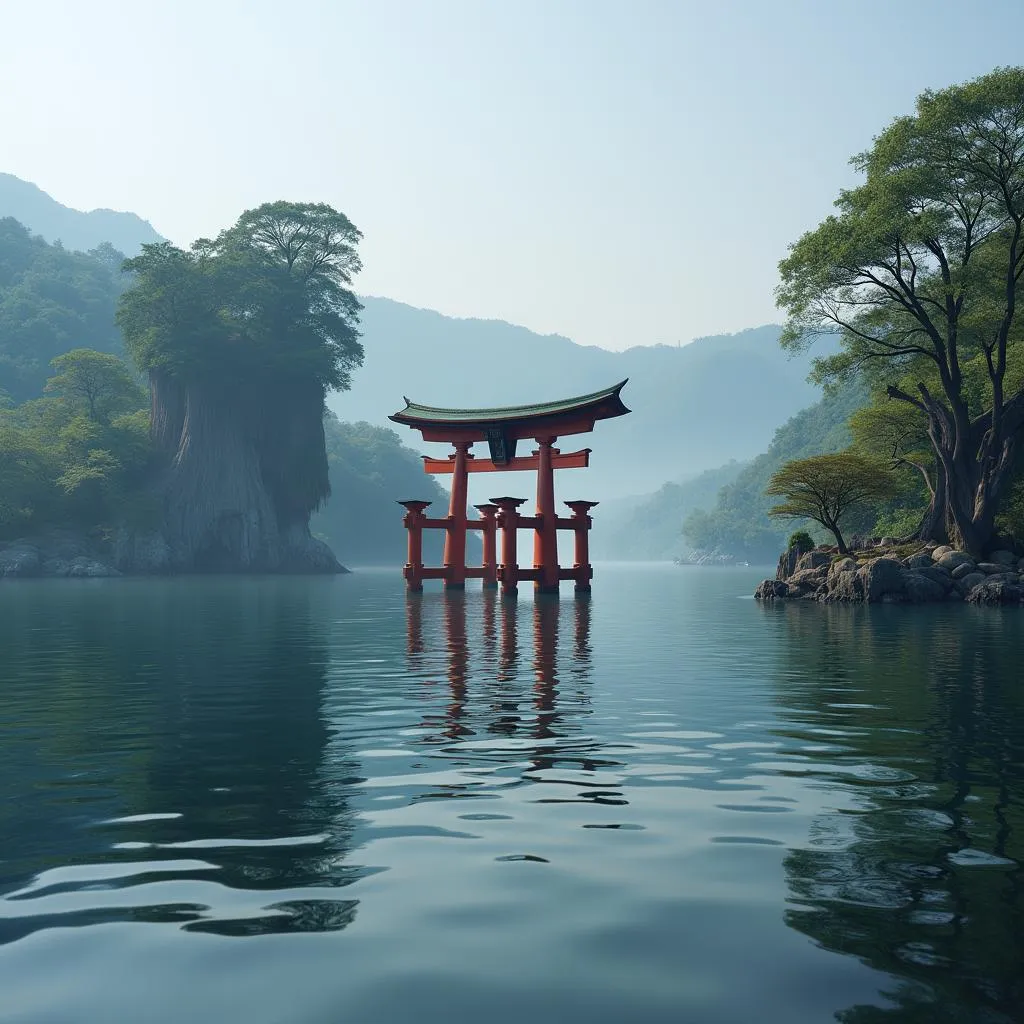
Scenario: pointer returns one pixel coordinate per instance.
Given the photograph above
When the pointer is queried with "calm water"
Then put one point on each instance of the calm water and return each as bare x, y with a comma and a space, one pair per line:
313, 801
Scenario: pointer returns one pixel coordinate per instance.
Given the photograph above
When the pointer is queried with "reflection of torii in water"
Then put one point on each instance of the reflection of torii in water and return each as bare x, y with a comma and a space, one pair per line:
504, 709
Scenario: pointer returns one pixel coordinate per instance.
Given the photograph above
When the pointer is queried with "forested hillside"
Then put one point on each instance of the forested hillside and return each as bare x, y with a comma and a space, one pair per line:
371, 471
75, 448
738, 522
51, 300
651, 528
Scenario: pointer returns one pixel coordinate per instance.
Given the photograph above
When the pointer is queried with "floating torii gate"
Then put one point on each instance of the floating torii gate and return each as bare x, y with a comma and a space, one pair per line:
502, 429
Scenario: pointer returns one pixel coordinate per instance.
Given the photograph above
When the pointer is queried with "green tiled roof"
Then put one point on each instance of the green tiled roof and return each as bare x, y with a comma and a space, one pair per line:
414, 412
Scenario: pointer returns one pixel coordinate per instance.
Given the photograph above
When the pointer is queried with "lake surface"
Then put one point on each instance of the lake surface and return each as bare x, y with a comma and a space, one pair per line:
316, 800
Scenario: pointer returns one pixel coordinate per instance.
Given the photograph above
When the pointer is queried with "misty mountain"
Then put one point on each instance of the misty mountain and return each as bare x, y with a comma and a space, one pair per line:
77, 230
694, 407
651, 528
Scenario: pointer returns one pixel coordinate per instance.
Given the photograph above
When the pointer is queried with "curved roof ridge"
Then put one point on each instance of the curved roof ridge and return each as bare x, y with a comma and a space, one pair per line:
414, 411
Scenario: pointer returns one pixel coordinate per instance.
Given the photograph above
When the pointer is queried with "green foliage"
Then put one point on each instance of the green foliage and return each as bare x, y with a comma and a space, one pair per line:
60, 466
826, 488
739, 523
268, 299
50, 301
370, 471
249, 332
652, 528
96, 383
922, 271
801, 540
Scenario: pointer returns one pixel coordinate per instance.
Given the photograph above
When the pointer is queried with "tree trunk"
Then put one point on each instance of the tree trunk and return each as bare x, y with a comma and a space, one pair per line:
975, 487
933, 523
840, 543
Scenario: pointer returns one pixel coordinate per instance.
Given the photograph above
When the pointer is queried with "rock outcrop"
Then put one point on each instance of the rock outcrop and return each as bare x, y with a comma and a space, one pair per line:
890, 574
131, 553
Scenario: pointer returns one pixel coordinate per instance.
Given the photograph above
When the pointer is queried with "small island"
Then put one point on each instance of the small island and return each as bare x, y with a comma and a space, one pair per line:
217, 465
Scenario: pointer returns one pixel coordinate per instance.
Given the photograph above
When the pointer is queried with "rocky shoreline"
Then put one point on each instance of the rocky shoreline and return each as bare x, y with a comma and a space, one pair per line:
67, 554
922, 574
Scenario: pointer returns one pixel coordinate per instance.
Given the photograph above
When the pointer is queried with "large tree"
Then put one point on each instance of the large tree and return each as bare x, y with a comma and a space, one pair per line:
242, 336
921, 272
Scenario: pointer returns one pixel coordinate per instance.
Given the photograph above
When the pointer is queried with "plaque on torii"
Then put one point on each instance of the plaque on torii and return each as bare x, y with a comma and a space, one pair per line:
501, 429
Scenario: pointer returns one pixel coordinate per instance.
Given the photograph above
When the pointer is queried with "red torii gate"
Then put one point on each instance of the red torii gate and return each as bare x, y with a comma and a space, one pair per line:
502, 428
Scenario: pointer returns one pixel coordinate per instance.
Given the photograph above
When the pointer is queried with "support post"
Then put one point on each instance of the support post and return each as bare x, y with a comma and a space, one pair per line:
508, 523
582, 522
455, 537
545, 541
489, 530
413, 520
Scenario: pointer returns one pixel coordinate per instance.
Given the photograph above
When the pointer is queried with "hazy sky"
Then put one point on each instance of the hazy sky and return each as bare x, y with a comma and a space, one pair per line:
621, 173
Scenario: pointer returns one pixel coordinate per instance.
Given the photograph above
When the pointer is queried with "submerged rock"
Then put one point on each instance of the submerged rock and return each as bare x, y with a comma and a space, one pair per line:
771, 590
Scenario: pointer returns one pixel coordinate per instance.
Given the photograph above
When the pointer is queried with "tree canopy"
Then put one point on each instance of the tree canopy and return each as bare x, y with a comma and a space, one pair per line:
269, 298
825, 488
62, 464
98, 383
921, 270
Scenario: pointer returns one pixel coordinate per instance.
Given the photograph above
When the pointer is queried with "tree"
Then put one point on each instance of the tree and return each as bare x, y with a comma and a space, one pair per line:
899, 433
826, 487
97, 381
921, 272
242, 336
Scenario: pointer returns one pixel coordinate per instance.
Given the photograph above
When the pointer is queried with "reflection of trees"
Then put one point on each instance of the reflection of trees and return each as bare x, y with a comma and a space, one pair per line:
918, 714
201, 700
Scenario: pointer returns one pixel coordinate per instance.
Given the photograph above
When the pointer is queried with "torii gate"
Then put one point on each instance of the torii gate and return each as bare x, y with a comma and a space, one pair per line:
502, 428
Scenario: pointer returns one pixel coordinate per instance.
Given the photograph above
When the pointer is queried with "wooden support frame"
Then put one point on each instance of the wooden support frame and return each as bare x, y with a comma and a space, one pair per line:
501, 428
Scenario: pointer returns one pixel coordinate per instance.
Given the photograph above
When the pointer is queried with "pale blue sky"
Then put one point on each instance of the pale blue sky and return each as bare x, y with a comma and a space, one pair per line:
622, 173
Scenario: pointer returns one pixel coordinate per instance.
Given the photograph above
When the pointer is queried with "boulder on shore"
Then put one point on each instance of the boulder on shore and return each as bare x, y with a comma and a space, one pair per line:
924, 577
996, 591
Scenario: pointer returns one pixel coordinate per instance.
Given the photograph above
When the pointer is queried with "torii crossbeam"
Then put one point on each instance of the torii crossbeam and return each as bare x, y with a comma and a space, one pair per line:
502, 429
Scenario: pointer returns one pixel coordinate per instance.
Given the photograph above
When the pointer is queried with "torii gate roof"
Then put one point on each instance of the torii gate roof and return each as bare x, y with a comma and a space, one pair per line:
567, 416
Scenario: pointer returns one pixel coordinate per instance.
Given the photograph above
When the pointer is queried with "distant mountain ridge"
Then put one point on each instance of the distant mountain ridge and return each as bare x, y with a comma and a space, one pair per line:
75, 229
695, 407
